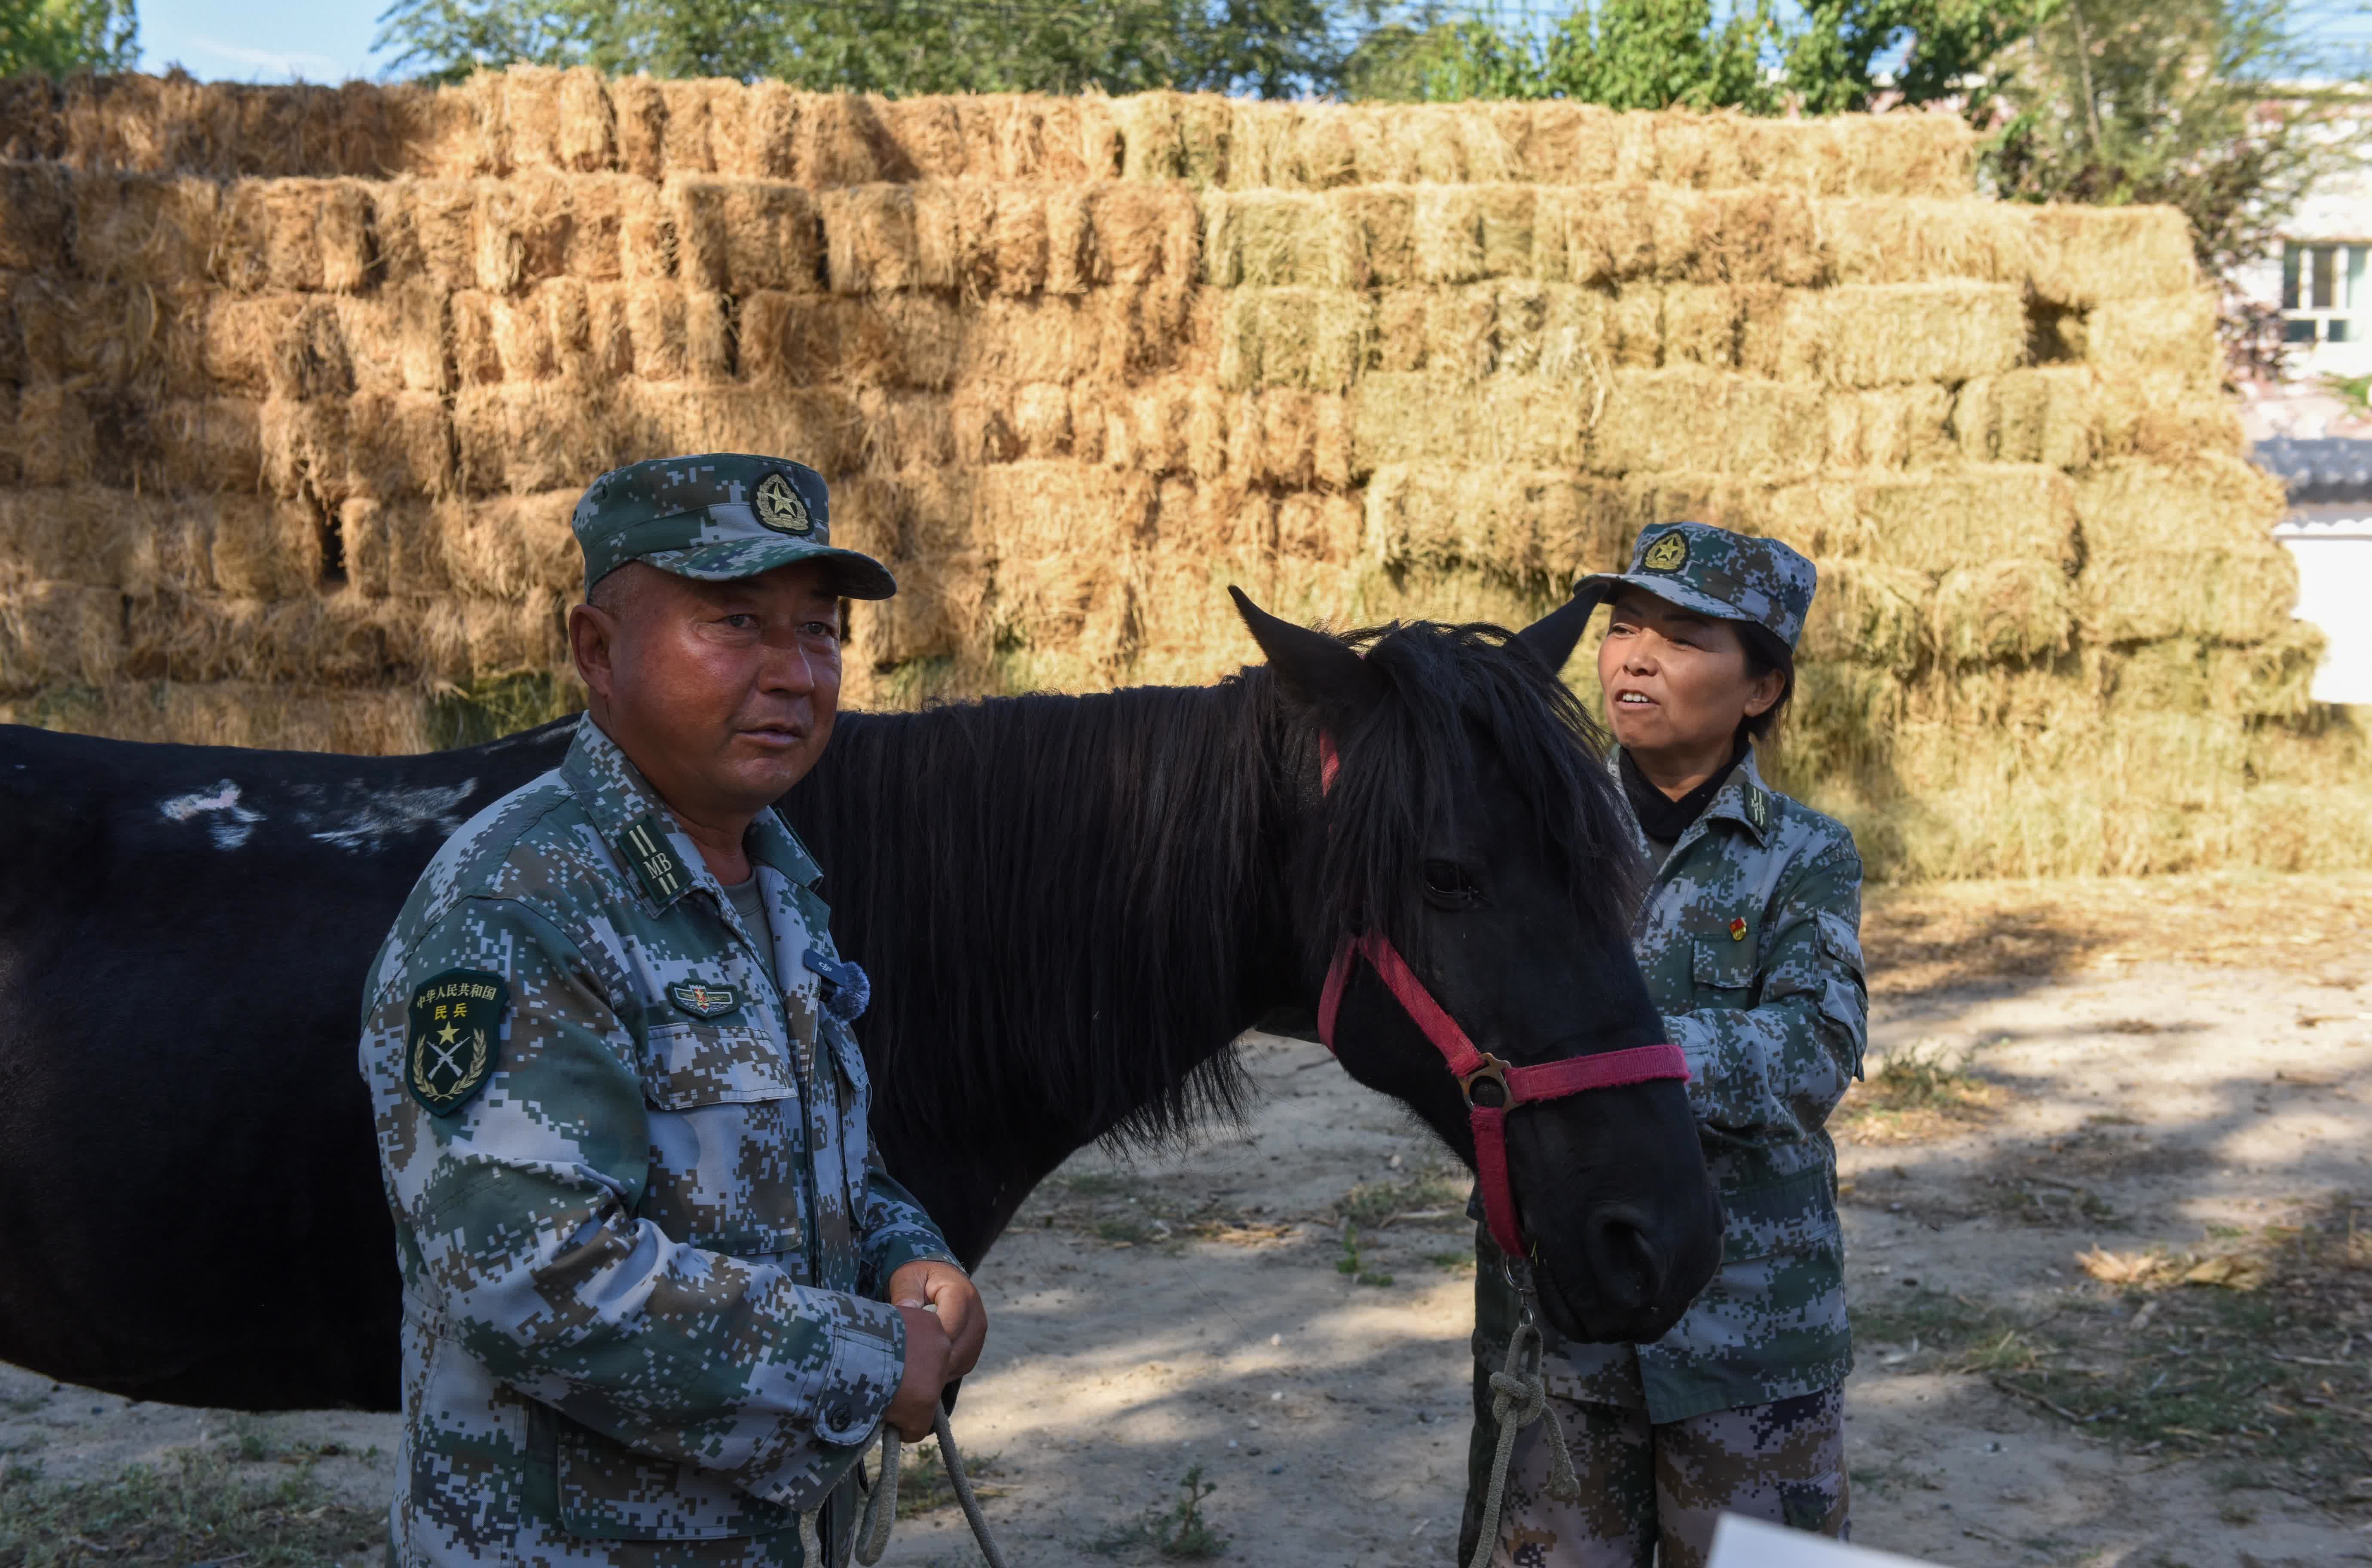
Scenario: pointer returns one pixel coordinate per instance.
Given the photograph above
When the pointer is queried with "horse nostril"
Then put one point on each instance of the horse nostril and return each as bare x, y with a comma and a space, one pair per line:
1627, 1261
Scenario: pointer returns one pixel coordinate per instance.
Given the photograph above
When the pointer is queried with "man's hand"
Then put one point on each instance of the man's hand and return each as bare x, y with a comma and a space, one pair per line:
914, 1410
947, 1291
946, 1326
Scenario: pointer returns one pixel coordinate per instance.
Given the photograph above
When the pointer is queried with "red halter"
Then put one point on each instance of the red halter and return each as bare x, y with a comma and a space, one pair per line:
1517, 1086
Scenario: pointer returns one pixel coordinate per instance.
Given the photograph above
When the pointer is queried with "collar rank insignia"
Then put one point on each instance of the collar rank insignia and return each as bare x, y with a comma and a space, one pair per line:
1758, 809
652, 854
456, 1034
703, 1001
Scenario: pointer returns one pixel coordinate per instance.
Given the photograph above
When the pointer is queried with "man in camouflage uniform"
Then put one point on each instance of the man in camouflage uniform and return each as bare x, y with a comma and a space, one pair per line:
1749, 942
645, 1241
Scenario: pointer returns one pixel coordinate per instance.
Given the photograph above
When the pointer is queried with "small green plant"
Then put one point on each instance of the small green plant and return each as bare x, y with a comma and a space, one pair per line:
1352, 1265
1125, 1231
2354, 391
1182, 1531
1456, 1263
192, 1508
1372, 1203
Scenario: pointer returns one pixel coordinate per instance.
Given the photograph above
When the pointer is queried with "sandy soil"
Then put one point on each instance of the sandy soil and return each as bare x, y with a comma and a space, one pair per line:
1154, 1317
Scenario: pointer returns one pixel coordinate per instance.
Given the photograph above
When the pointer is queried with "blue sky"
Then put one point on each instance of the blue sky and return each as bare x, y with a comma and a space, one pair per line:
260, 41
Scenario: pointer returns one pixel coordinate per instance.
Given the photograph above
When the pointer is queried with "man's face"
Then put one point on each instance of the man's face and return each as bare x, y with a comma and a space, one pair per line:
723, 693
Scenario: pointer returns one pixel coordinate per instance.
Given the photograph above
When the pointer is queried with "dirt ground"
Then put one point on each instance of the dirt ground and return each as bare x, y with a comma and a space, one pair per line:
2171, 1078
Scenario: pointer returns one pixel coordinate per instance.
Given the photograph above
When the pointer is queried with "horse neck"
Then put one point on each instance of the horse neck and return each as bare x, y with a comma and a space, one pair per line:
1070, 906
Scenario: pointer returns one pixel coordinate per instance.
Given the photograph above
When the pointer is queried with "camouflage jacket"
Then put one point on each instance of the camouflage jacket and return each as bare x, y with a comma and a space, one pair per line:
638, 1219
1751, 942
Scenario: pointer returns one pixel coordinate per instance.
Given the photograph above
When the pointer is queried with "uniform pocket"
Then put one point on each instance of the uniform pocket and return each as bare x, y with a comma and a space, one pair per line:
1725, 965
689, 1065
727, 1137
1794, 1214
609, 1492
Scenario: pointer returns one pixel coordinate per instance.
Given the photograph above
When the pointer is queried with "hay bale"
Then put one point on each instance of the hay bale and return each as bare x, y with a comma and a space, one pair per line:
1697, 419
1297, 337
1890, 428
2048, 414
143, 228
2002, 609
79, 535
208, 445
1876, 335
740, 235
56, 441
2176, 552
1467, 233
1868, 614
1511, 421
1533, 528
2082, 257
2167, 333
1895, 241
308, 236
1935, 520
51, 631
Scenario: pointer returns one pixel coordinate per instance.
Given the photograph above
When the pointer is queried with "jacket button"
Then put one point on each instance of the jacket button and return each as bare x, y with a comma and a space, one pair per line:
839, 1415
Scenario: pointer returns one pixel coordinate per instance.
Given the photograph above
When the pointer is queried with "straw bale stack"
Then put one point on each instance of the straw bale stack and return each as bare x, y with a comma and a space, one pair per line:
298, 385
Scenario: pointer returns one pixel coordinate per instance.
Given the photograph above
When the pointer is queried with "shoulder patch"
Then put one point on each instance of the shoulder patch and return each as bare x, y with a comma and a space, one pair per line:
703, 1001
653, 857
456, 1035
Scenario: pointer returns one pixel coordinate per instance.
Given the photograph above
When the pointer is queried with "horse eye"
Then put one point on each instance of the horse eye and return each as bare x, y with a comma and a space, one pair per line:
1448, 879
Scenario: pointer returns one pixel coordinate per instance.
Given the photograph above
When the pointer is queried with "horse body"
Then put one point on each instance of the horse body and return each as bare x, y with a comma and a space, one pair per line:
1070, 907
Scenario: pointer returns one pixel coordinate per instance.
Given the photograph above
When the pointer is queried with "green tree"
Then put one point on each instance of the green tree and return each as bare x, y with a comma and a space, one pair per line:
57, 38
1826, 57
2176, 102
1273, 48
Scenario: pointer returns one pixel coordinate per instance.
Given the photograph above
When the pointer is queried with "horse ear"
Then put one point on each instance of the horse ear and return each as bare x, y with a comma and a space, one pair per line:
1311, 665
1552, 637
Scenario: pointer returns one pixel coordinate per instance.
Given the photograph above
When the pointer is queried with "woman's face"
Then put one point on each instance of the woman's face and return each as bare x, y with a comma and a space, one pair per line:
1676, 682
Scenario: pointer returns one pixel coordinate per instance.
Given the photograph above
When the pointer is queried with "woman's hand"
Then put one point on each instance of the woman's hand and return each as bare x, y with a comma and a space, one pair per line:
946, 1327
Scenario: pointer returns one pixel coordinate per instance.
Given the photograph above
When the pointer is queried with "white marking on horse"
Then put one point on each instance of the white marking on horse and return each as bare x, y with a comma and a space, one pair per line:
223, 799
392, 811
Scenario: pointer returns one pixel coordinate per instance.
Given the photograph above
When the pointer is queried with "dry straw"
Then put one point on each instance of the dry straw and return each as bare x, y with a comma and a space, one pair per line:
298, 384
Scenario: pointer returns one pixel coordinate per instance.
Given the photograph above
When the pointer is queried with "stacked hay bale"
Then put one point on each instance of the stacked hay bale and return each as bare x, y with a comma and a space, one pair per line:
302, 383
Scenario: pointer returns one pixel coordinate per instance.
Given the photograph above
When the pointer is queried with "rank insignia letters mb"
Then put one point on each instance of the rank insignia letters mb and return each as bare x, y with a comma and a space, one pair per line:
655, 860
703, 1001
456, 1032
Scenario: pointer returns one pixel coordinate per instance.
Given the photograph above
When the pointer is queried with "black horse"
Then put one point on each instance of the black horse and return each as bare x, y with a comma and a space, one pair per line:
1070, 906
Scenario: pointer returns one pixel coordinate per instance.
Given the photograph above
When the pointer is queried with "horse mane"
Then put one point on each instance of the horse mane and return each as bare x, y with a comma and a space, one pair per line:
1065, 903
996, 862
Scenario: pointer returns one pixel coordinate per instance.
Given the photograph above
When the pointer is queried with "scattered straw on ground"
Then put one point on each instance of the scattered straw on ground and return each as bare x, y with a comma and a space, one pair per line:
1932, 938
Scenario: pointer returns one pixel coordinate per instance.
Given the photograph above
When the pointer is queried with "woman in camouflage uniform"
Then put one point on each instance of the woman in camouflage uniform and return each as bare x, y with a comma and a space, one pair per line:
1749, 941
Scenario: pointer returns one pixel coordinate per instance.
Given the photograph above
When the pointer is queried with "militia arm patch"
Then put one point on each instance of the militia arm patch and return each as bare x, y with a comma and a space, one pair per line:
456, 1034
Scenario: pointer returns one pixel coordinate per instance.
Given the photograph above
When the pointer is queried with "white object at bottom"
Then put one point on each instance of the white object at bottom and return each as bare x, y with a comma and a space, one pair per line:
1750, 1543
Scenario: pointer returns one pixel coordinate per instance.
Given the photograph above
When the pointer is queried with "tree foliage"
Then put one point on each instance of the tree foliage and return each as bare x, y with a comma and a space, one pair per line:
57, 38
2116, 101
1825, 57
1272, 48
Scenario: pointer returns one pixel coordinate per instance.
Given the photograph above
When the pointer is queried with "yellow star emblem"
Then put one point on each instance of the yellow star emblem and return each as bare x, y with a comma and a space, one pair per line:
448, 1035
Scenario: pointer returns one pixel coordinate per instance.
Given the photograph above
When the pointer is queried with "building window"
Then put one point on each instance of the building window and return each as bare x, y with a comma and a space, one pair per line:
2323, 290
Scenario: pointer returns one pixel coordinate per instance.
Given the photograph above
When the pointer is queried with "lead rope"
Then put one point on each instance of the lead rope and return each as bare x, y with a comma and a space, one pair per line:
1518, 1398
881, 1503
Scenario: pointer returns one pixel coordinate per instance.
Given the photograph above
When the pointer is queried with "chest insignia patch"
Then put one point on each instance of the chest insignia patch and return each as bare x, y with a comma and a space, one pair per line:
703, 1001
454, 1039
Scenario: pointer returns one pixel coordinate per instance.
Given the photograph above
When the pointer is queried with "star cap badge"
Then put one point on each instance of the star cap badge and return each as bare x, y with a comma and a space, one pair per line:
454, 1037
779, 508
1669, 553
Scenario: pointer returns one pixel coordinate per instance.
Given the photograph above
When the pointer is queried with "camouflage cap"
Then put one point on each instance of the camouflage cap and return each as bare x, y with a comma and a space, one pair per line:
717, 517
1733, 577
